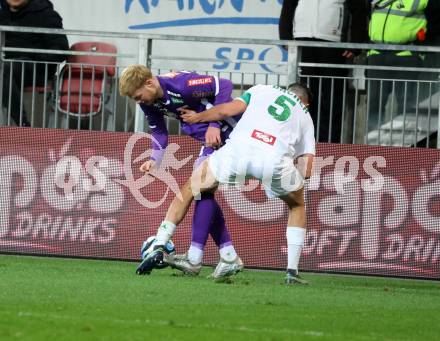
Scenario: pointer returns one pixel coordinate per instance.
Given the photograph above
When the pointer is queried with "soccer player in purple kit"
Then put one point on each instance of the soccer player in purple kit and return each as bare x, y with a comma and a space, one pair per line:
164, 95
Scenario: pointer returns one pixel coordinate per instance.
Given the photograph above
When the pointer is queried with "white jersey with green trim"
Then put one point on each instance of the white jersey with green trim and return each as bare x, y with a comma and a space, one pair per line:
275, 123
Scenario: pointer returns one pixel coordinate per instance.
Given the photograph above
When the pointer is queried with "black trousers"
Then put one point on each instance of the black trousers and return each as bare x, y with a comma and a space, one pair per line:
12, 91
327, 88
12, 84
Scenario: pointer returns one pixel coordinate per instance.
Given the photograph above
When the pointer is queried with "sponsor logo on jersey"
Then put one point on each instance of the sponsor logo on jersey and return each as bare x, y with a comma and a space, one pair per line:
264, 137
202, 94
173, 94
175, 100
199, 81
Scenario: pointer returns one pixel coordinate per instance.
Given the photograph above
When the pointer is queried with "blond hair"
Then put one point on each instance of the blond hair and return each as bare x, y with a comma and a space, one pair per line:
133, 78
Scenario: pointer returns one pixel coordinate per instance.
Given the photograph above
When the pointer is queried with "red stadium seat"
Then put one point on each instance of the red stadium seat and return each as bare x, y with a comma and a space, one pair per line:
84, 82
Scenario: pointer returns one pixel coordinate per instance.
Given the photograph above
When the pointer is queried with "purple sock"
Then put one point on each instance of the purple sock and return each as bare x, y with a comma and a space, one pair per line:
204, 214
208, 219
219, 232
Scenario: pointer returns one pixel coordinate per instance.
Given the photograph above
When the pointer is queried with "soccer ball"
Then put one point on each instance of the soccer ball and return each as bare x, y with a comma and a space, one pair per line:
169, 247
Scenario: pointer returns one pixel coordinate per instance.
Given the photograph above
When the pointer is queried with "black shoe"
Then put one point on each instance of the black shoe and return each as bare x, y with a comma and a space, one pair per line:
154, 260
292, 277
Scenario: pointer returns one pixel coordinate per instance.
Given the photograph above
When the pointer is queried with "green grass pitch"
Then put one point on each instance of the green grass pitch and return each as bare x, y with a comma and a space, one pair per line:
72, 299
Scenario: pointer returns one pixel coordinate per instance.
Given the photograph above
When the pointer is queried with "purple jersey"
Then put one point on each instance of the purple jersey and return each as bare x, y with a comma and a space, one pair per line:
196, 92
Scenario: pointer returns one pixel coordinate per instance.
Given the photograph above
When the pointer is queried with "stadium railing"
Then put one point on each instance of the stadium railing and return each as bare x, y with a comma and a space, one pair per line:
386, 227
415, 122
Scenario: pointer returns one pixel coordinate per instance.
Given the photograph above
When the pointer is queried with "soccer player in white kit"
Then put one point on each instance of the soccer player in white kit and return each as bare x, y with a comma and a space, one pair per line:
274, 132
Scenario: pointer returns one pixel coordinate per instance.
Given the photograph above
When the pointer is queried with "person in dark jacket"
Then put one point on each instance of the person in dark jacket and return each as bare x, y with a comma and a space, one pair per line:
433, 34
29, 13
328, 21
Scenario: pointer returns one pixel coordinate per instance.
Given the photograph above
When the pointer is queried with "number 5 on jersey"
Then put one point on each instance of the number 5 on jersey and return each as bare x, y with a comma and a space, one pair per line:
281, 110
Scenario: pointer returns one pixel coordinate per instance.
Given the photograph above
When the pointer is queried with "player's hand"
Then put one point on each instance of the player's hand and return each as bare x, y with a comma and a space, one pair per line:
212, 137
189, 116
147, 166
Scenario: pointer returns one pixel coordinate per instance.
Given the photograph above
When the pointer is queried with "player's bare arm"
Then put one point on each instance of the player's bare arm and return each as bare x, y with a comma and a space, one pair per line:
216, 113
304, 164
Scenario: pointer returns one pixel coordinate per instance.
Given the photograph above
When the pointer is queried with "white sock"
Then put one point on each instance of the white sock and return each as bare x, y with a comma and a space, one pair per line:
195, 255
295, 241
228, 253
165, 232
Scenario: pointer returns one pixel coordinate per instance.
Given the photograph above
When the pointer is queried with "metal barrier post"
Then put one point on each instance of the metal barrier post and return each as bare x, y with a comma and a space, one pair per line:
293, 58
438, 124
2, 69
144, 58
294, 62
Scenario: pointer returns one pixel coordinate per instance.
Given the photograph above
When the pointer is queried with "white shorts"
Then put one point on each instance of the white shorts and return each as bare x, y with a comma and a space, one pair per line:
234, 163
